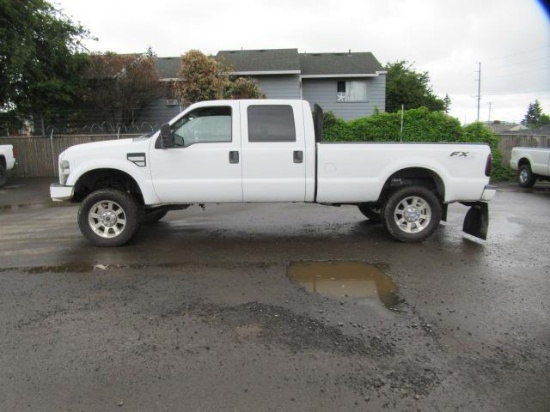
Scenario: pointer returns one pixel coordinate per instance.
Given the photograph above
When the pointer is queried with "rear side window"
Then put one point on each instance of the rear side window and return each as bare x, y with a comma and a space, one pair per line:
271, 123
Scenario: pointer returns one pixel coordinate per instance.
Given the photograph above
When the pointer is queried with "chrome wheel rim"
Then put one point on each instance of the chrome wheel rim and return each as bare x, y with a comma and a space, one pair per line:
523, 176
107, 219
412, 214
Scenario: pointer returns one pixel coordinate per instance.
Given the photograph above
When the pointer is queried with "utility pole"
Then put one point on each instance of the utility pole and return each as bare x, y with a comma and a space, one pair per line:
478, 88
490, 106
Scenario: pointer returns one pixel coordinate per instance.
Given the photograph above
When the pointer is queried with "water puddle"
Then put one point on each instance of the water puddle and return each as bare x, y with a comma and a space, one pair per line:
357, 280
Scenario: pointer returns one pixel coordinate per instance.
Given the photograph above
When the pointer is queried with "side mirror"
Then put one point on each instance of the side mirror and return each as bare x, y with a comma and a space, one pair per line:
166, 136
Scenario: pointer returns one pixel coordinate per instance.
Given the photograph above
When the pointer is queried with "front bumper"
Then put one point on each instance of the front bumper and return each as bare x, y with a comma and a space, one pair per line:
59, 192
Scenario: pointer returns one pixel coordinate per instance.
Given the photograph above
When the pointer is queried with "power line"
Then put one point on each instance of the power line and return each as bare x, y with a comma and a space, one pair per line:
546, 47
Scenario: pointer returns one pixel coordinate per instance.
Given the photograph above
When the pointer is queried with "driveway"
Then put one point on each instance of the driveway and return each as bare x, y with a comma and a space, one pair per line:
271, 307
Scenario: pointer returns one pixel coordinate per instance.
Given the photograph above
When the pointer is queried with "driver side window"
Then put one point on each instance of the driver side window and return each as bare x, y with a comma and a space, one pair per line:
204, 125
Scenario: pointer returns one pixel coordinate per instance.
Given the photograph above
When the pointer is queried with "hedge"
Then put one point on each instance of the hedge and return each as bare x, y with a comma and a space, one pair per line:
419, 125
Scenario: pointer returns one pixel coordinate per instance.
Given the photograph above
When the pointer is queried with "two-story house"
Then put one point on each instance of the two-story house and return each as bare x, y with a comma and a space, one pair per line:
351, 85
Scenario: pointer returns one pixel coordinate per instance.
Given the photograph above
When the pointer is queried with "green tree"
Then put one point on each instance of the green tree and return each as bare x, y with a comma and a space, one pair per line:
41, 58
205, 78
245, 88
447, 104
534, 116
405, 86
119, 86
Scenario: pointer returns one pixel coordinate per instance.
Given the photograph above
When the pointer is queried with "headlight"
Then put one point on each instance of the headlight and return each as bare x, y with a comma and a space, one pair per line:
64, 170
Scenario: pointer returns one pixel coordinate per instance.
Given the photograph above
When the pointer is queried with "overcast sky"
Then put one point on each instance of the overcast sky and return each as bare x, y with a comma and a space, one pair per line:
447, 38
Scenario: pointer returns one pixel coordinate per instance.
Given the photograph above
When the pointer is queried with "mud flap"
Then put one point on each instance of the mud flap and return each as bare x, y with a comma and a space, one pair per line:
476, 222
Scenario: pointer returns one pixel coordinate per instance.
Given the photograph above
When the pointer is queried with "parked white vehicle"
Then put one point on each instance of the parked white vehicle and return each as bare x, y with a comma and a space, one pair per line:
532, 163
269, 151
7, 162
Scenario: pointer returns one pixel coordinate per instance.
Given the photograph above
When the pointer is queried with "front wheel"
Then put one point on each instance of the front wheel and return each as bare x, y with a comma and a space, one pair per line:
412, 214
109, 217
526, 178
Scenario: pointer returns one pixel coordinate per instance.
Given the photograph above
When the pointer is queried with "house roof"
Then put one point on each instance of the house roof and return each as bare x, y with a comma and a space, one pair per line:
262, 61
337, 64
286, 61
168, 67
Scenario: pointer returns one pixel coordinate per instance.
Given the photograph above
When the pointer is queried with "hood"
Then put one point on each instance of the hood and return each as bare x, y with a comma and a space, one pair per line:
108, 147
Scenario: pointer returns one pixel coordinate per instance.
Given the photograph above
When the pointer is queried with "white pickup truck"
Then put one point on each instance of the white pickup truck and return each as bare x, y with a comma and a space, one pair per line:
532, 163
269, 151
7, 162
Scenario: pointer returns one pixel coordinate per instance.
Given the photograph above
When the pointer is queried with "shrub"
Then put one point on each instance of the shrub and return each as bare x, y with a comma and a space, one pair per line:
419, 125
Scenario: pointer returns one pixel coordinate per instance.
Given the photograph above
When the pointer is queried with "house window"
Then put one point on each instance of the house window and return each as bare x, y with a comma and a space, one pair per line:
271, 123
351, 91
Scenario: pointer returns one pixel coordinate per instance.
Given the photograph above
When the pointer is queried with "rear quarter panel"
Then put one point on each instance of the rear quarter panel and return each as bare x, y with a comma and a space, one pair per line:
357, 172
538, 158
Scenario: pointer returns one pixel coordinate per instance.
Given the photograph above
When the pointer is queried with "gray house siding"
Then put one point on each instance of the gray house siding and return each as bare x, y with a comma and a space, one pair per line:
156, 114
324, 93
279, 87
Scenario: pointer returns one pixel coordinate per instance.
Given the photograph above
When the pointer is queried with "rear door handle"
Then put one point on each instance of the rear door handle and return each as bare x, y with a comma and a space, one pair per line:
233, 157
298, 156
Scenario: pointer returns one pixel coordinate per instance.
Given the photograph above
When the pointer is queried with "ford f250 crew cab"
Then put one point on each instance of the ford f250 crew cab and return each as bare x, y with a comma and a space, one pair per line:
7, 162
532, 163
269, 151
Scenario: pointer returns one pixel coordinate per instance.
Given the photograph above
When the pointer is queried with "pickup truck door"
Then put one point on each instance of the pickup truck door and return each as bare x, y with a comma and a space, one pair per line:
205, 164
273, 152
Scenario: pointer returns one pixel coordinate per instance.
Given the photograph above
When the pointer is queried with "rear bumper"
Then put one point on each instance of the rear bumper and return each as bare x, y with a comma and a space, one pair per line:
488, 193
59, 192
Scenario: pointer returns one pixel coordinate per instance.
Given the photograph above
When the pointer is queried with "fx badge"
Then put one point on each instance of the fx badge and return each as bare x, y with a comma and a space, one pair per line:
460, 154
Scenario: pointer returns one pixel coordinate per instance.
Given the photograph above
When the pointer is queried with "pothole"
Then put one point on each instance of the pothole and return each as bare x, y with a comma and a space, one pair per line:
356, 280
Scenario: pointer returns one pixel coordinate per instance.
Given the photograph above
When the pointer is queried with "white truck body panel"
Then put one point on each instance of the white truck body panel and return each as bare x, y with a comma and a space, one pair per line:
357, 172
112, 154
6, 151
266, 151
7, 162
538, 158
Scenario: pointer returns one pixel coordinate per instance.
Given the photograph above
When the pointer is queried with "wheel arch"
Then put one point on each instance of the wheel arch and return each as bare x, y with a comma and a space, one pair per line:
524, 161
414, 176
107, 178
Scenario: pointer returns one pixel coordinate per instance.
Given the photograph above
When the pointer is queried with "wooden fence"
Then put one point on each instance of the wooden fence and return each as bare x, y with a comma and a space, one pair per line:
37, 156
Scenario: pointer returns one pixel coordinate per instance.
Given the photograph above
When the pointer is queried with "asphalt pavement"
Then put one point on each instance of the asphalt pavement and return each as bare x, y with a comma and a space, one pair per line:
271, 307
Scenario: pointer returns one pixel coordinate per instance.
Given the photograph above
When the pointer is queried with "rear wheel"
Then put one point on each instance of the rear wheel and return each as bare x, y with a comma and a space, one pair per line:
526, 178
412, 214
109, 217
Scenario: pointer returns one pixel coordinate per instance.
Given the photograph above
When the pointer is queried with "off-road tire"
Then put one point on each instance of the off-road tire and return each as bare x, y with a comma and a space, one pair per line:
526, 178
109, 217
412, 213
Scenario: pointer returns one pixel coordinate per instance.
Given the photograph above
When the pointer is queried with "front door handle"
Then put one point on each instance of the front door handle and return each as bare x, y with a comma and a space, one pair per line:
298, 156
233, 157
